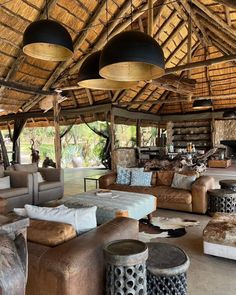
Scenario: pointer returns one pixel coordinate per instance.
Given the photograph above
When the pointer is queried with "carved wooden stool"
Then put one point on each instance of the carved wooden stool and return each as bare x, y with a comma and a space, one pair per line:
166, 270
221, 200
126, 267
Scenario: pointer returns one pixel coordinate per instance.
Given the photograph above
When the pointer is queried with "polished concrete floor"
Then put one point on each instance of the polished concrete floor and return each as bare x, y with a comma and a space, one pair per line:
207, 275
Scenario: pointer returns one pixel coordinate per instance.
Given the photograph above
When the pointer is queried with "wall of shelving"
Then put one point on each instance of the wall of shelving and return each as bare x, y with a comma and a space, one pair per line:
197, 132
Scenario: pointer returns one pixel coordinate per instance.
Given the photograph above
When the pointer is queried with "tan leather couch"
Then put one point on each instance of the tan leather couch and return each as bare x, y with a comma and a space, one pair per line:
77, 266
168, 197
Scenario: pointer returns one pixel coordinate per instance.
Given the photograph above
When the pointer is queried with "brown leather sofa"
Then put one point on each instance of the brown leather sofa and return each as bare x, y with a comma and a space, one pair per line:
20, 192
168, 197
75, 267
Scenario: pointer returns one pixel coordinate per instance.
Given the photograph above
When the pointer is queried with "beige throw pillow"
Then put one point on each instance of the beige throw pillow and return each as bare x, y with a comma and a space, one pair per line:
182, 181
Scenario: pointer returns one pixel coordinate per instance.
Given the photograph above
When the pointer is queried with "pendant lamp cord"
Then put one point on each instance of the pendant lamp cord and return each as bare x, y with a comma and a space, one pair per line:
47, 9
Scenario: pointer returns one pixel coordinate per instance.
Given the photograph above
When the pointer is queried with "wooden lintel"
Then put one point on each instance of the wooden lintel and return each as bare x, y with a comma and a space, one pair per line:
134, 115
99, 108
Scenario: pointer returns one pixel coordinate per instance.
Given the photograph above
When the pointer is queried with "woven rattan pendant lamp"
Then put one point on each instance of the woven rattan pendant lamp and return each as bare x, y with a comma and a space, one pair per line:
89, 76
47, 40
132, 56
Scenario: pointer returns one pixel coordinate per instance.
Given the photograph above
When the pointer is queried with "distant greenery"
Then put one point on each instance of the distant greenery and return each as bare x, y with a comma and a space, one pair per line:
80, 146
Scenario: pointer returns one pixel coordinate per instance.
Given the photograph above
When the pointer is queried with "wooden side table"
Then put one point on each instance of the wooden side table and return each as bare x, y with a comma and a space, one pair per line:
166, 269
126, 267
93, 178
221, 200
228, 184
219, 163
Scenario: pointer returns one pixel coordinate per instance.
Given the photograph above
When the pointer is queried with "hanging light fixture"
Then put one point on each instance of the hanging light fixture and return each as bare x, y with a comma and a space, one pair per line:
229, 114
132, 56
47, 40
202, 104
89, 76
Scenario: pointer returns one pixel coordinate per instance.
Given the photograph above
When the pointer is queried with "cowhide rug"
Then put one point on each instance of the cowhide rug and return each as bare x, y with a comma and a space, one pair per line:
161, 227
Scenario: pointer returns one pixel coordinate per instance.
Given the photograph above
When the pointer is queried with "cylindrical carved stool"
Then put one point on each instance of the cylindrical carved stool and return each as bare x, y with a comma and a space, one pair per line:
126, 267
221, 200
228, 184
166, 270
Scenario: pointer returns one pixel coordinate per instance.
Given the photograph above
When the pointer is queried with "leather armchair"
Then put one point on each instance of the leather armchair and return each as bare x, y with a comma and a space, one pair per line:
52, 188
20, 193
77, 266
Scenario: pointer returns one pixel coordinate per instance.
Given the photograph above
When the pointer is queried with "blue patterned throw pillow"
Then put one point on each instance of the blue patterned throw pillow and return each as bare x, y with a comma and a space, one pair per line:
123, 175
140, 178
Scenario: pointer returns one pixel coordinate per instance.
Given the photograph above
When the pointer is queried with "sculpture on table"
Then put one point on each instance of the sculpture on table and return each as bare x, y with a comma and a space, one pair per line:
13, 264
34, 153
48, 162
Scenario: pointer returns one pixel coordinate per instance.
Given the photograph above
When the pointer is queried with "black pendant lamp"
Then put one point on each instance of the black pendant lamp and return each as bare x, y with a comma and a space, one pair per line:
47, 40
132, 56
89, 76
202, 104
229, 114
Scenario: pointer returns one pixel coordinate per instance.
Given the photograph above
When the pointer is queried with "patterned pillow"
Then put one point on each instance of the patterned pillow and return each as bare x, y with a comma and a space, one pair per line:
123, 175
140, 178
182, 181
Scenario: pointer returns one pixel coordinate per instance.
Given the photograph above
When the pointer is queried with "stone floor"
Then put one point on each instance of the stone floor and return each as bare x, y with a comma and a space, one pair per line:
207, 275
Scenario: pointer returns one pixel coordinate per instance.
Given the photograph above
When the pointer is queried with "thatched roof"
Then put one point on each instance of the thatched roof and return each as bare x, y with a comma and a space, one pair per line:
213, 35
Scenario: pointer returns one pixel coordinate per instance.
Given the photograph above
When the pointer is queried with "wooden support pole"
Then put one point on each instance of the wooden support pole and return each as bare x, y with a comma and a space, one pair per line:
112, 135
138, 133
57, 140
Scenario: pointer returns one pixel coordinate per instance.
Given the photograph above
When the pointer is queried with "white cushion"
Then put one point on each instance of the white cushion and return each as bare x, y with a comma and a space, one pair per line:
23, 211
82, 219
40, 178
182, 181
5, 182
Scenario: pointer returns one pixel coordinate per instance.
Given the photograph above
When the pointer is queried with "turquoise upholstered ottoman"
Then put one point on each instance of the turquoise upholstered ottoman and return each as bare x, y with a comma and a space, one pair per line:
127, 204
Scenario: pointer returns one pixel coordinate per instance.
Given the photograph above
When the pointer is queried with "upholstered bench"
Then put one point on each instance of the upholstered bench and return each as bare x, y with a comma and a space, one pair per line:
219, 236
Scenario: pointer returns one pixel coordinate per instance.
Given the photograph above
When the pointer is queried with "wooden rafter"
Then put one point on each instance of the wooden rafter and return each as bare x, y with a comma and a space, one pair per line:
230, 3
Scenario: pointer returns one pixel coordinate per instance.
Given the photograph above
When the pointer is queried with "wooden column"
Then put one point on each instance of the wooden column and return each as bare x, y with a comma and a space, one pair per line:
138, 133
213, 132
4, 151
57, 141
112, 135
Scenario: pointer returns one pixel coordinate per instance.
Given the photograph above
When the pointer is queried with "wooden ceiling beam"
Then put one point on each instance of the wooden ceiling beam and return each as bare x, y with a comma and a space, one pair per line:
196, 22
212, 15
228, 17
200, 64
230, 3
89, 95
23, 88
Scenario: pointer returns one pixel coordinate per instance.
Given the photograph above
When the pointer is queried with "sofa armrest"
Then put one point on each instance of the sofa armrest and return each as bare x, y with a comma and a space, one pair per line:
20, 179
77, 266
52, 174
199, 193
107, 179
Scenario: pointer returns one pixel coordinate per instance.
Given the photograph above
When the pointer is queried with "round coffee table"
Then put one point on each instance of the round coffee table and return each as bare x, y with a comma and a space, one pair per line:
166, 269
221, 200
126, 267
228, 184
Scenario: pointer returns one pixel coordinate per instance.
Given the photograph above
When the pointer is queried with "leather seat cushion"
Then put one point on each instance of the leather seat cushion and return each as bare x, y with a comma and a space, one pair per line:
13, 192
49, 233
47, 185
173, 195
